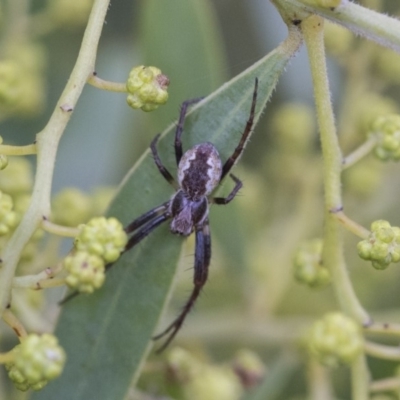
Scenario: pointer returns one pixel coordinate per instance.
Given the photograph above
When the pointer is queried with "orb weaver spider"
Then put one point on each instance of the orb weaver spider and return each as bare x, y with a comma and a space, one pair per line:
200, 172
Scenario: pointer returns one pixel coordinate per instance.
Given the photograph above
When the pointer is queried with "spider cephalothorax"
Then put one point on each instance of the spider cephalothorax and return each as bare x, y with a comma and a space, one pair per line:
200, 171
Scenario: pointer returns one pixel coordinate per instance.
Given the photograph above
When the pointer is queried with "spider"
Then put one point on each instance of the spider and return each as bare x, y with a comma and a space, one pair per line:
200, 171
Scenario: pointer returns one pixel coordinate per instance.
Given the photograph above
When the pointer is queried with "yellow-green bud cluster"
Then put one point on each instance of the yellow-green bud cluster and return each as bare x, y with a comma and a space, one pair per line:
307, 264
10, 89
388, 65
182, 365
147, 88
37, 360
8, 218
294, 123
201, 380
338, 40
104, 237
386, 130
335, 339
22, 79
71, 207
3, 158
17, 178
70, 12
86, 271
99, 242
249, 368
214, 382
382, 246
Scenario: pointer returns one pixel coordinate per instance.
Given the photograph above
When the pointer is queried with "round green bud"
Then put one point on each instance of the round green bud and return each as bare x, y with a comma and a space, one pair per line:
249, 368
388, 65
307, 264
70, 13
31, 56
182, 365
380, 224
335, 339
380, 251
104, 237
386, 130
338, 40
294, 125
385, 235
147, 88
382, 246
214, 382
363, 178
37, 360
364, 249
369, 108
3, 162
380, 264
17, 177
8, 218
71, 207
86, 272
10, 83
396, 231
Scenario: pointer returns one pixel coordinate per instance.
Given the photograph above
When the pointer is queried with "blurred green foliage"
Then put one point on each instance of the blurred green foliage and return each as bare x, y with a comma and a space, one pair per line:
252, 300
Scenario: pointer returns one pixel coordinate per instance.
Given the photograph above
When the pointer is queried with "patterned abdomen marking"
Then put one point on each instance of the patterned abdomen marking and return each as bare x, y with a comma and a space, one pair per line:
199, 170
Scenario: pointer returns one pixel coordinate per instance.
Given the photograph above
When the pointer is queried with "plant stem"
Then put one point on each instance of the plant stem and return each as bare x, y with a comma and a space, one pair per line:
61, 230
360, 378
351, 225
386, 329
47, 144
359, 153
382, 351
374, 26
99, 83
385, 385
8, 150
7, 357
35, 281
11, 320
333, 242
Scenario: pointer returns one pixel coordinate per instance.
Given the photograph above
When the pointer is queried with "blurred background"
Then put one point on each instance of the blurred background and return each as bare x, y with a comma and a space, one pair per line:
199, 45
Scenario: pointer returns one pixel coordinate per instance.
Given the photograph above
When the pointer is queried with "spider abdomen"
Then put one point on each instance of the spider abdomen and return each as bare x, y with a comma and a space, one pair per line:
199, 170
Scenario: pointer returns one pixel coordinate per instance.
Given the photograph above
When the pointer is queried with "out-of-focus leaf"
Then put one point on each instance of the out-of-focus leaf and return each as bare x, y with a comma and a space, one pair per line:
182, 38
107, 335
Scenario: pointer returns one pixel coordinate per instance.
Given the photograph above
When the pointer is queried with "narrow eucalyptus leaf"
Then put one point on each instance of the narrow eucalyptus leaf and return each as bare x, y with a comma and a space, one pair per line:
189, 50
107, 335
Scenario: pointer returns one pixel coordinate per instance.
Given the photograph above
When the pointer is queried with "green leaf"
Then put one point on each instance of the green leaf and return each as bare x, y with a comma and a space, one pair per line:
194, 34
107, 335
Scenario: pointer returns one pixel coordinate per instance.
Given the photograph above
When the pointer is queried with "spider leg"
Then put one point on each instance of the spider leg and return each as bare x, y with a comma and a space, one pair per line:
138, 222
163, 170
230, 162
179, 127
232, 194
144, 231
201, 263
